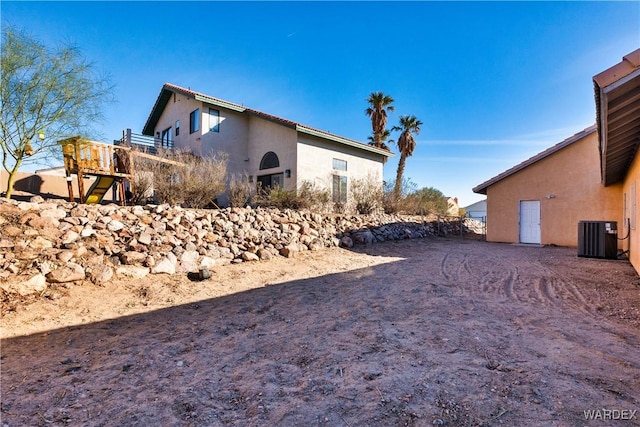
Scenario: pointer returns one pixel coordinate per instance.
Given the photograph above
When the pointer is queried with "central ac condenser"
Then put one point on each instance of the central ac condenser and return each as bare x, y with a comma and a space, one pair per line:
598, 239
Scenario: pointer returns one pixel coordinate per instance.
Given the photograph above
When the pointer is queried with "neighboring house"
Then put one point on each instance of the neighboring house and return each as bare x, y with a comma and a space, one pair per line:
591, 176
477, 210
542, 199
266, 149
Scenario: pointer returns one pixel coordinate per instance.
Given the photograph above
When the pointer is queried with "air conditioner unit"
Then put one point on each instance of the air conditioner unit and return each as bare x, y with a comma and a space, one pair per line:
598, 239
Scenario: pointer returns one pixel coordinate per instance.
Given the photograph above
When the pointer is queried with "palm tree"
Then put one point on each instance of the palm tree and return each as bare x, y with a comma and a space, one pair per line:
406, 144
379, 105
384, 139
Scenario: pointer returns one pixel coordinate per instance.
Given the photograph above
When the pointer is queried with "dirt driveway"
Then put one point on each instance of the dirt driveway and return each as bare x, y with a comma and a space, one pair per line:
421, 332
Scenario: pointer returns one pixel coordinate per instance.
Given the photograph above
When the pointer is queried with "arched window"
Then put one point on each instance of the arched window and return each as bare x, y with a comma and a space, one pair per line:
269, 160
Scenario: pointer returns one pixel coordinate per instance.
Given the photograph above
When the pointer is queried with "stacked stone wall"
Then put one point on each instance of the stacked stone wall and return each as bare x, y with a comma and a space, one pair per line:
53, 241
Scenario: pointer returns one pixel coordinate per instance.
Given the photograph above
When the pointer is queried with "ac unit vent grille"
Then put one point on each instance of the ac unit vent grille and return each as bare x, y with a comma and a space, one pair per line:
598, 239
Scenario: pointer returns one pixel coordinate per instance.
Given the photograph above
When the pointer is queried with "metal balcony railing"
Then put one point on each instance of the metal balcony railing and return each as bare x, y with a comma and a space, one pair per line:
144, 143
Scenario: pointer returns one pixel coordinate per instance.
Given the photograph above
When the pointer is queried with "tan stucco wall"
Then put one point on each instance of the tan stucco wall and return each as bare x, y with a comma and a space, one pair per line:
572, 176
265, 136
632, 182
315, 162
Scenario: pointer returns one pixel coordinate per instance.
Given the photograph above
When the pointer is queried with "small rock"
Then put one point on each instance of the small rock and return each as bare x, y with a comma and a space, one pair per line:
6, 243
100, 274
346, 242
132, 271
248, 256
115, 225
207, 262
144, 238
69, 236
40, 243
65, 256
165, 266
69, 273
133, 258
36, 284
264, 254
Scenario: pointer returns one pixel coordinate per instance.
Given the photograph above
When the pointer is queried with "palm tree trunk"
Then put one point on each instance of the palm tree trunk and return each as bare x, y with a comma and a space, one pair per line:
398, 185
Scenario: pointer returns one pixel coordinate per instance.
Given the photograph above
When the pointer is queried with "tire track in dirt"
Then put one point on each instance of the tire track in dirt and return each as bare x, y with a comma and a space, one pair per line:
486, 275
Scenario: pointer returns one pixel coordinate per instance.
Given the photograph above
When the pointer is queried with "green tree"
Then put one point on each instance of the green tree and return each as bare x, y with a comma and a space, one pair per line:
409, 125
428, 200
379, 106
47, 95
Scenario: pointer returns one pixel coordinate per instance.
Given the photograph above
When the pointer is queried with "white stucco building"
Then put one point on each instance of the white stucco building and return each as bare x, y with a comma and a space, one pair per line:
268, 149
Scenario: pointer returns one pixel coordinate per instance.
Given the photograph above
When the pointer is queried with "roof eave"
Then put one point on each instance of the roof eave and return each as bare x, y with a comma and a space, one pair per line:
482, 188
345, 141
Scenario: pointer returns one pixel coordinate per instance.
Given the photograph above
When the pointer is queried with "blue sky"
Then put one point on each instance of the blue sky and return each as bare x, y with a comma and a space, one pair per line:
493, 82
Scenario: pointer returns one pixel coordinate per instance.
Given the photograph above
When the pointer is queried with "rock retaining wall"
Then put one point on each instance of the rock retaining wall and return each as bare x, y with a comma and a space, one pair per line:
54, 241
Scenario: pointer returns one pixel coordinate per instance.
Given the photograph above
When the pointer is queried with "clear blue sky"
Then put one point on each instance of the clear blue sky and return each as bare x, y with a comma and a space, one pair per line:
493, 82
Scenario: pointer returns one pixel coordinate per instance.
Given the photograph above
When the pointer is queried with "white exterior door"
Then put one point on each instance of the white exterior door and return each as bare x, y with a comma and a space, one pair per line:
530, 221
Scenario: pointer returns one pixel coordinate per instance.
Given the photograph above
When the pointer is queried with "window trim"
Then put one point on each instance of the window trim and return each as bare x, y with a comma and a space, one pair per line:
339, 164
194, 121
216, 116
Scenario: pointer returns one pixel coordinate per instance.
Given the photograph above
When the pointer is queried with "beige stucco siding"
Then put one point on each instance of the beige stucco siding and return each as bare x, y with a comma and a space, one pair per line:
567, 184
315, 162
265, 136
231, 138
631, 191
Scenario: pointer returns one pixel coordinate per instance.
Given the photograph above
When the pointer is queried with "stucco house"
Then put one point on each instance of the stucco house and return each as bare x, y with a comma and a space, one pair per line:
477, 210
591, 176
267, 149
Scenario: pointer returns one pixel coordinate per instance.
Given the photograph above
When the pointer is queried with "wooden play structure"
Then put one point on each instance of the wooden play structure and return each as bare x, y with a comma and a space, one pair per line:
110, 164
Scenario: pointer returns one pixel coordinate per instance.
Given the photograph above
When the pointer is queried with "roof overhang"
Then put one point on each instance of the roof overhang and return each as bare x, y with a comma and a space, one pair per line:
325, 135
617, 98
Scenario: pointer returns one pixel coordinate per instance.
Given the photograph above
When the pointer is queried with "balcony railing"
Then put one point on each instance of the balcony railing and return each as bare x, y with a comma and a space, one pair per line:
144, 143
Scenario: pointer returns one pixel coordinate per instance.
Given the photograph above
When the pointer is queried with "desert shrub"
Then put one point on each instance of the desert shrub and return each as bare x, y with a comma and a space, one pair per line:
184, 179
424, 201
241, 191
390, 202
367, 194
314, 197
427, 200
307, 196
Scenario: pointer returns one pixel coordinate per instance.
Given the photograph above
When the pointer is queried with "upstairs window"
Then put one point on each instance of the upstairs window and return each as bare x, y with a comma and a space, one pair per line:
177, 127
194, 121
340, 165
214, 120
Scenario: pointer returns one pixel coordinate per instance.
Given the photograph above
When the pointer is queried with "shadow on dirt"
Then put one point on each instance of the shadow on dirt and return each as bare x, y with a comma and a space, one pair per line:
411, 342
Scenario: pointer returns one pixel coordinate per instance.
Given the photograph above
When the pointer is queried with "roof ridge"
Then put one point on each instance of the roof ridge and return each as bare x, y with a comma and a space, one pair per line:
531, 160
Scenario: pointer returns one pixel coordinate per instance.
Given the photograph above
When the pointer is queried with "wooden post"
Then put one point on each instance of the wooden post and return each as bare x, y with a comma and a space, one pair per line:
81, 185
70, 187
121, 188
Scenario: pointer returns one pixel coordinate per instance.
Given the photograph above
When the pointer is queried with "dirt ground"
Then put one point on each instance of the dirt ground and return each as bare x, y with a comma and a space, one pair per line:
420, 332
